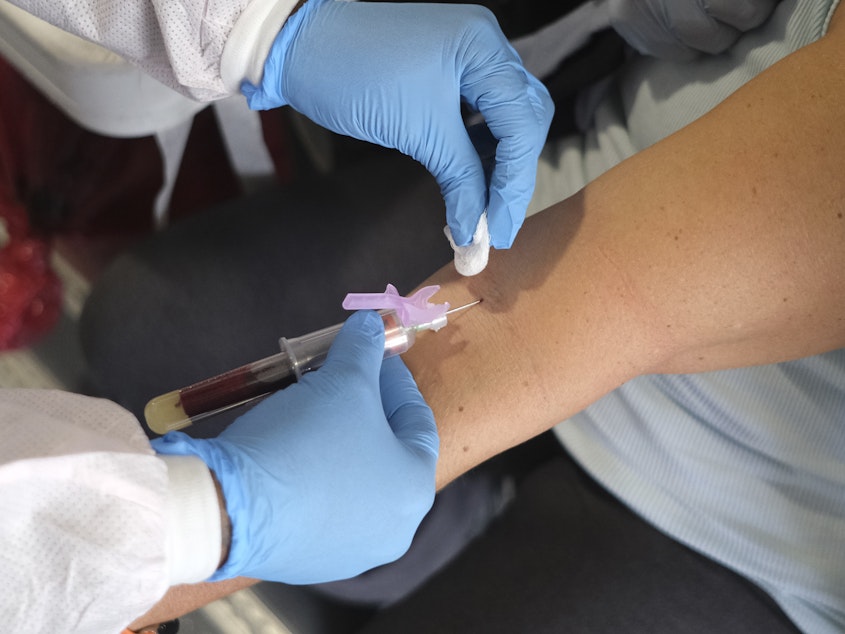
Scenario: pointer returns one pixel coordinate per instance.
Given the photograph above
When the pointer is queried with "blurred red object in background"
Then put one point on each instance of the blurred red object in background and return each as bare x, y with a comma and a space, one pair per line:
30, 291
87, 196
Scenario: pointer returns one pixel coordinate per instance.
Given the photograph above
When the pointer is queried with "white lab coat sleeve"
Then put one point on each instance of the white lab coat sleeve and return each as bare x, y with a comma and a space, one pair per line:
94, 525
202, 48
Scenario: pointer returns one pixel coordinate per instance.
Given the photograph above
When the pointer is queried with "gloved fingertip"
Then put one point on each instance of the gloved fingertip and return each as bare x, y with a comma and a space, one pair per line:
462, 230
360, 341
169, 438
464, 192
459, 239
539, 97
504, 239
174, 443
505, 222
367, 321
502, 232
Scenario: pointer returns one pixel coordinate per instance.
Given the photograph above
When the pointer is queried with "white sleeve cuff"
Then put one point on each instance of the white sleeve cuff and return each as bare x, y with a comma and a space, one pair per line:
250, 40
194, 534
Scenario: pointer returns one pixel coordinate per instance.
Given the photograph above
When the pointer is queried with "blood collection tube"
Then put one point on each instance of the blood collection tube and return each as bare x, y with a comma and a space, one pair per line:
183, 407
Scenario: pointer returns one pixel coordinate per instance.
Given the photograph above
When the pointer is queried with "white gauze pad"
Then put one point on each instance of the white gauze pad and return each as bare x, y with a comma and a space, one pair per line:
472, 258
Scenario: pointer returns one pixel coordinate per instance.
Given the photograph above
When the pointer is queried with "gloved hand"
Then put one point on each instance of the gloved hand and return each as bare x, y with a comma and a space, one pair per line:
330, 476
394, 74
681, 29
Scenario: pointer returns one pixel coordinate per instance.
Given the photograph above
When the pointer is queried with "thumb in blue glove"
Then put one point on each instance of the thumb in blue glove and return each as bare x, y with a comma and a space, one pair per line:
331, 476
395, 74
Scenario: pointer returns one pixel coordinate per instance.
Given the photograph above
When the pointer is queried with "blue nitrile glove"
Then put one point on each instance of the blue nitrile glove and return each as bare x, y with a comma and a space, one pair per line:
394, 74
681, 29
331, 476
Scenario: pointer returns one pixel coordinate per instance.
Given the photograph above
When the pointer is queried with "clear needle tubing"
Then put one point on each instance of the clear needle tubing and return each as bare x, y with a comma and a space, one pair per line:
183, 407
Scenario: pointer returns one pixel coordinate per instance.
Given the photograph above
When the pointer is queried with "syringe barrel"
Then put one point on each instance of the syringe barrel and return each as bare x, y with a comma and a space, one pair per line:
181, 408
309, 352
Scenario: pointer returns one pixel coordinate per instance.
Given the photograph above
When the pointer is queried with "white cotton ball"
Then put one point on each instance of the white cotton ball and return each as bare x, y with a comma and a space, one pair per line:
472, 258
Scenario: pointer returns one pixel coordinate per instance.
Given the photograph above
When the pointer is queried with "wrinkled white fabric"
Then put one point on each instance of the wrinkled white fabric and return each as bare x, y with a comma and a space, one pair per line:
185, 45
84, 517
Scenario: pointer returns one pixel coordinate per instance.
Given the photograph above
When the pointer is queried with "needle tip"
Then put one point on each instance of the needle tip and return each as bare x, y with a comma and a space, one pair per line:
469, 305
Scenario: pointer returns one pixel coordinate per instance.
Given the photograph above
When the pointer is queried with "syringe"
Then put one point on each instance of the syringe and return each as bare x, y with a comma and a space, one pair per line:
180, 408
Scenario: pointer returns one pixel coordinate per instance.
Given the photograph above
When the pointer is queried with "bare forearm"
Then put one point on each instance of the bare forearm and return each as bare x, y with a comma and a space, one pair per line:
738, 231
721, 246
557, 328
180, 600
